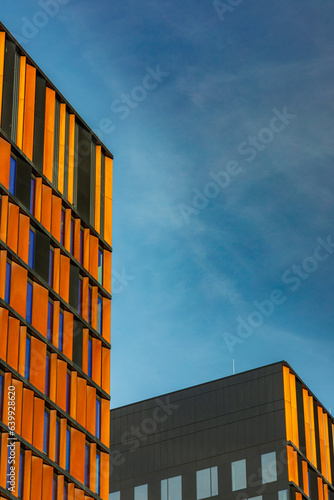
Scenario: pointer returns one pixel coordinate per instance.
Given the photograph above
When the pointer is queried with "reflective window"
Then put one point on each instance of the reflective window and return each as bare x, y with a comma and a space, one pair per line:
87, 464
54, 488
268, 466
47, 375
50, 321
283, 495
239, 480
81, 245
68, 449
141, 492
62, 227
99, 315
27, 358
31, 251
115, 496
61, 330
90, 347
29, 302
100, 267
98, 419
7, 286
12, 176
32, 195
98, 467
46, 432
171, 489
207, 483
57, 440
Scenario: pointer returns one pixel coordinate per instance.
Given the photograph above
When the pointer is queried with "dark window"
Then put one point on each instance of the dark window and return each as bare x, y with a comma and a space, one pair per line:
80, 296
31, 248
100, 267
7, 286
74, 285
99, 315
90, 345
54, 488
32, 195
46, 432
87, 464
21, 471
72, 236
81, 245
51, 264
27, 360
12, 175
62, 227
29, 302
22, 182
68, 449
57, 441
61, 330
98, 466
41, 260
50, 321
98, 419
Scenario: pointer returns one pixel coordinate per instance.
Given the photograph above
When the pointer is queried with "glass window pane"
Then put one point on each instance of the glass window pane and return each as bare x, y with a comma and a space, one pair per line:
29, 302
61, 331
32, 196
50, 321
98, 419
203, 484
214, 481
31, 251
46, 433
12, 175
174, 488
7, 286
87, 464
99, 315
283, 495
47, 374
268, 464
100, 267
27, 360
51, 264
164, 489
68, 449
141, 492
115, 496
97, 488
239, 481
90, 358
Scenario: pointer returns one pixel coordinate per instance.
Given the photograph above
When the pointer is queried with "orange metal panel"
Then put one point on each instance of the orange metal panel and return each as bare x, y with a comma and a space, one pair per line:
90, 413
64, 289
106, 319
3, 330
62, 443
94, 256
56, 217
56, 270
13, 342
320, 489
327, 448
4, 162
38, 423
86, 249
27, 414
105, 422
70, 493
92, 461
76, 246
326, 497
94, 307
18, 404
3, 460
85, 336
23, 247
2, 63
305, 479
106, 369
96, 360
77, 455
38, 198
97, 220
20, 112
307, 425
61, 383
39, 318
22, 350
4, 217
81, 401
61, 161
73, 404
68, 335
79, 494
294, 415
313, 443
13, 226
16, 466
27, 475
298, 496
67, 233
18, 289
55, 329
71, 158
53, 377
36, 477
52, 434
108, 200
107, 270
60, 486
85, 286
8, 382
295, 463
46, 207
291, 468
29, 111
38, 363
104, 476
47, 482
50, 105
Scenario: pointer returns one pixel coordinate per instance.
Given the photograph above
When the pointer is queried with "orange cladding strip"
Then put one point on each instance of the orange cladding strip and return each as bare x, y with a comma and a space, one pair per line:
20, 112
5, 149
52, 435
56, 270
313, 442
85, 336
2, 64
3, 270
27, 414
47, 482
13, 342
96, 360
327, 448
76, 247
105, 369
67, 232
104, 476
38, 423
36, 477
294, 414
13, 225
94, 307
94, 256
55, 335
287, 403
85, 287
60, 486
107, 270
81, 401
38, 364
322, 441
77, 455
22, 349
50, 106
91, 405
23, 247
18, 289
97, 221
3, 460
92, 465
320, 489
61, 161
18, 404
86, 249
106, 319
62, 443
27, 475
53, 377
306, 486
40, 303
71, 158
3, 330
8, 382
105, 422
4, 218
68, 335
73, 404
79, 494
29, 112
108, 200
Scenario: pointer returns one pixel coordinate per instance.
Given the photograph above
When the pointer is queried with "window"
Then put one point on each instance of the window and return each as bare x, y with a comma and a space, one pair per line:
68, 392
62, 227
99, 315
32, 195
98, 467
98, 419
31, 251
141, 492
61, 330
87, 464
72, 236
68, 449
283, 495
100, 266
57, 440
65, 491
268, 466
54, 488
29, 302
81, 245
46, 431
207, 483
21, 471
47, 375
27, 359
89, 304
51, 266
171, 489
115, 496
239, 480
80, 296
90, 346
50, 321
7, 286
12, 175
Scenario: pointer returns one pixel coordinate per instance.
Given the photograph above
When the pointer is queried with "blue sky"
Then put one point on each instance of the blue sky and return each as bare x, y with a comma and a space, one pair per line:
188, 268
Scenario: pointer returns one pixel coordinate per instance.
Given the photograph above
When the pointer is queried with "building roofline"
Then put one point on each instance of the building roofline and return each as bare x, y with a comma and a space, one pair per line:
51, 85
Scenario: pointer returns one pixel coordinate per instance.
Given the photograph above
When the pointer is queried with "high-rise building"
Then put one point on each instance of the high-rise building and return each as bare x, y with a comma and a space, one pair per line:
55, 291
258, 435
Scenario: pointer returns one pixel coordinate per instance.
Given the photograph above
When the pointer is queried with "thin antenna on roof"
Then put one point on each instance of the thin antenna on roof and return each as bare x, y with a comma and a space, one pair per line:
233, 367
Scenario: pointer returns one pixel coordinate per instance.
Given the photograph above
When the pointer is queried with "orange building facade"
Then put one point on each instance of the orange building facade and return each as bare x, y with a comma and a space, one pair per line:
55, 291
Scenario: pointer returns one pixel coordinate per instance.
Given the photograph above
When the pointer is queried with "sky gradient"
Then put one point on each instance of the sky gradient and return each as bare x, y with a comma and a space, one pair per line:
221, 125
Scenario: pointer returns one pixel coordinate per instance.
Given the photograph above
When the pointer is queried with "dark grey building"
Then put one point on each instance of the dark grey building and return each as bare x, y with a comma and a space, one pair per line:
256, 435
